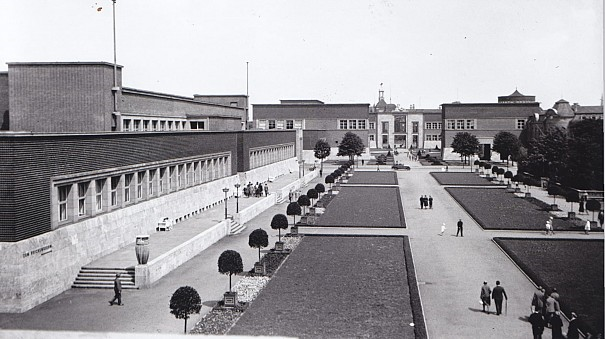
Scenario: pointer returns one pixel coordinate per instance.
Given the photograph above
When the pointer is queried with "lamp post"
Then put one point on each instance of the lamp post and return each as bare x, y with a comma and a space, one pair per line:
237, 186
225, 190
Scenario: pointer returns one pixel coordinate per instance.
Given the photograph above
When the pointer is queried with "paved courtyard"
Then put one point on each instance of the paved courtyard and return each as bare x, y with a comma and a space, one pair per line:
450, 271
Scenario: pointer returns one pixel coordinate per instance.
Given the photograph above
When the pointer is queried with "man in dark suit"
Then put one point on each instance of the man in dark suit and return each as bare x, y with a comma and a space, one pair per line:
117, 289
497, 294
459, 230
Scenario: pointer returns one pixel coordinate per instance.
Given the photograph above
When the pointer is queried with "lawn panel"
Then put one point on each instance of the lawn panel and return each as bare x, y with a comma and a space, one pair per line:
336, 287
377, 178
364, 207
461, 178
574, 267
496, 209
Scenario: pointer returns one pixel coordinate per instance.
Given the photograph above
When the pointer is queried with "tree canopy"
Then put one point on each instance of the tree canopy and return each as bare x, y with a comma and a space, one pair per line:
351, 145
258, 239
507, 144
547, 155
230, 262
185, 301
280, 222
585, 155
465, 144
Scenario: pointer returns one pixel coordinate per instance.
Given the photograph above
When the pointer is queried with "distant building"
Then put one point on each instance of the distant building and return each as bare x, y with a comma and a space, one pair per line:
316, 119
485, 120
58, 97
391, 126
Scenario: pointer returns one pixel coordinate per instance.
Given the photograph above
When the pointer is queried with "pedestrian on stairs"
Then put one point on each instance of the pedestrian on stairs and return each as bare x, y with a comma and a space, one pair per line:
117, 289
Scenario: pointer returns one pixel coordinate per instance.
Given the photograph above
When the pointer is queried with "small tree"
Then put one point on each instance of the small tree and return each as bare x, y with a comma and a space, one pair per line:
329, 180
572, 196
507, 144
304, 202
487, 168
230, 262
495, 171
293, 209
351, 145
185, 301
508, 175
476, 163
258, 239
501, 172
465, 144
554, 190
279, 222
593, 206
320, 188
321, 151
312, 194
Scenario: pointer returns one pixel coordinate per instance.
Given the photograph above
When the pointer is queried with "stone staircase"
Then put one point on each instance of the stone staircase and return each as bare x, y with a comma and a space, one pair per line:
235, 228
102, 277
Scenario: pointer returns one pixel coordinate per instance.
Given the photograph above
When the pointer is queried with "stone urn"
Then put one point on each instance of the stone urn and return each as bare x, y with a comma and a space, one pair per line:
230, 299
141, 249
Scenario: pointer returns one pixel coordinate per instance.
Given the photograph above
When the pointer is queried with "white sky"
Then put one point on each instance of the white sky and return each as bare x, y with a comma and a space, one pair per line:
426, 52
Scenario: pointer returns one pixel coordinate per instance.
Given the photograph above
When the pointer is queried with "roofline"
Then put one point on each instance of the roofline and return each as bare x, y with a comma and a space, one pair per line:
24, 134
220, 95
492, 104
313, 105
174, 97
64, 63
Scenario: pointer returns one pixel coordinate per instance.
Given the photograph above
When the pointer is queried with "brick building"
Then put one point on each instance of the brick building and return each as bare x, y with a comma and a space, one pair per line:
59, 97
316, 119
80, 179
485, 120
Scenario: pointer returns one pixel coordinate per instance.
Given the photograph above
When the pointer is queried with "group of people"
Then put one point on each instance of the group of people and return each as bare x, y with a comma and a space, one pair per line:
426, 202
256, 190
546, 313
487, 295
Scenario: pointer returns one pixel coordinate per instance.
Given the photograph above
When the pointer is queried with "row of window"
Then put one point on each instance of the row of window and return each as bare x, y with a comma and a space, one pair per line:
432, 125
460, 124
432, 137
149, 125
87, 198
351, 124
280, 124
265, 156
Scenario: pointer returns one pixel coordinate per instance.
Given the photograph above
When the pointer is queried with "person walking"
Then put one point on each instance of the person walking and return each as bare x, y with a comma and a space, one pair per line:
552, 306
549, 229
572, 329
430, 202
537, 301
460, 229
486, 292
587, 227
497, 294
442, 229
426, 202
601, 218
421, 202
537, 324
117, 289
266, 190
557, 325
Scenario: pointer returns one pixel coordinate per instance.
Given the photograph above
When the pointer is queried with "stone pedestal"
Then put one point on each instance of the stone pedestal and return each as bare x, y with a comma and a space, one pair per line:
279, 246
230, 299
571, 215
259, 268
554, 207
527, 194
294, 230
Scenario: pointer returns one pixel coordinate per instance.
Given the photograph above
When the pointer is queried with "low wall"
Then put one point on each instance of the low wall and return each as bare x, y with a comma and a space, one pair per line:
146, 275
257, 208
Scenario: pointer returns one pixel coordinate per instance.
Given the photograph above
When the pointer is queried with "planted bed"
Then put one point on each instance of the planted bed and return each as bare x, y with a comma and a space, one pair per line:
376, 178
573, 266
340, 287
461, 178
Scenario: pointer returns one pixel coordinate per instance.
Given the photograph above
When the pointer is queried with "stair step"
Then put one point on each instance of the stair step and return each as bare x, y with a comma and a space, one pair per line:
96, 282
97, 278
98, 286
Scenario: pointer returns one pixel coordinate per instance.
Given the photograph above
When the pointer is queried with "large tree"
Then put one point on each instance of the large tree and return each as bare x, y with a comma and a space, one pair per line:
547, 155
322, 151
351, 145
465, 144
585, 155
507, 144
185, 301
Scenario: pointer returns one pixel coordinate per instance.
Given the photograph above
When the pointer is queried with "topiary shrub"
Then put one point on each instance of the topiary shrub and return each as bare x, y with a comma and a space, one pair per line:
304, 202
293, 209
279, 222
320, 188
258, 239
230, 262
329, 180
185, 301
593, 206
